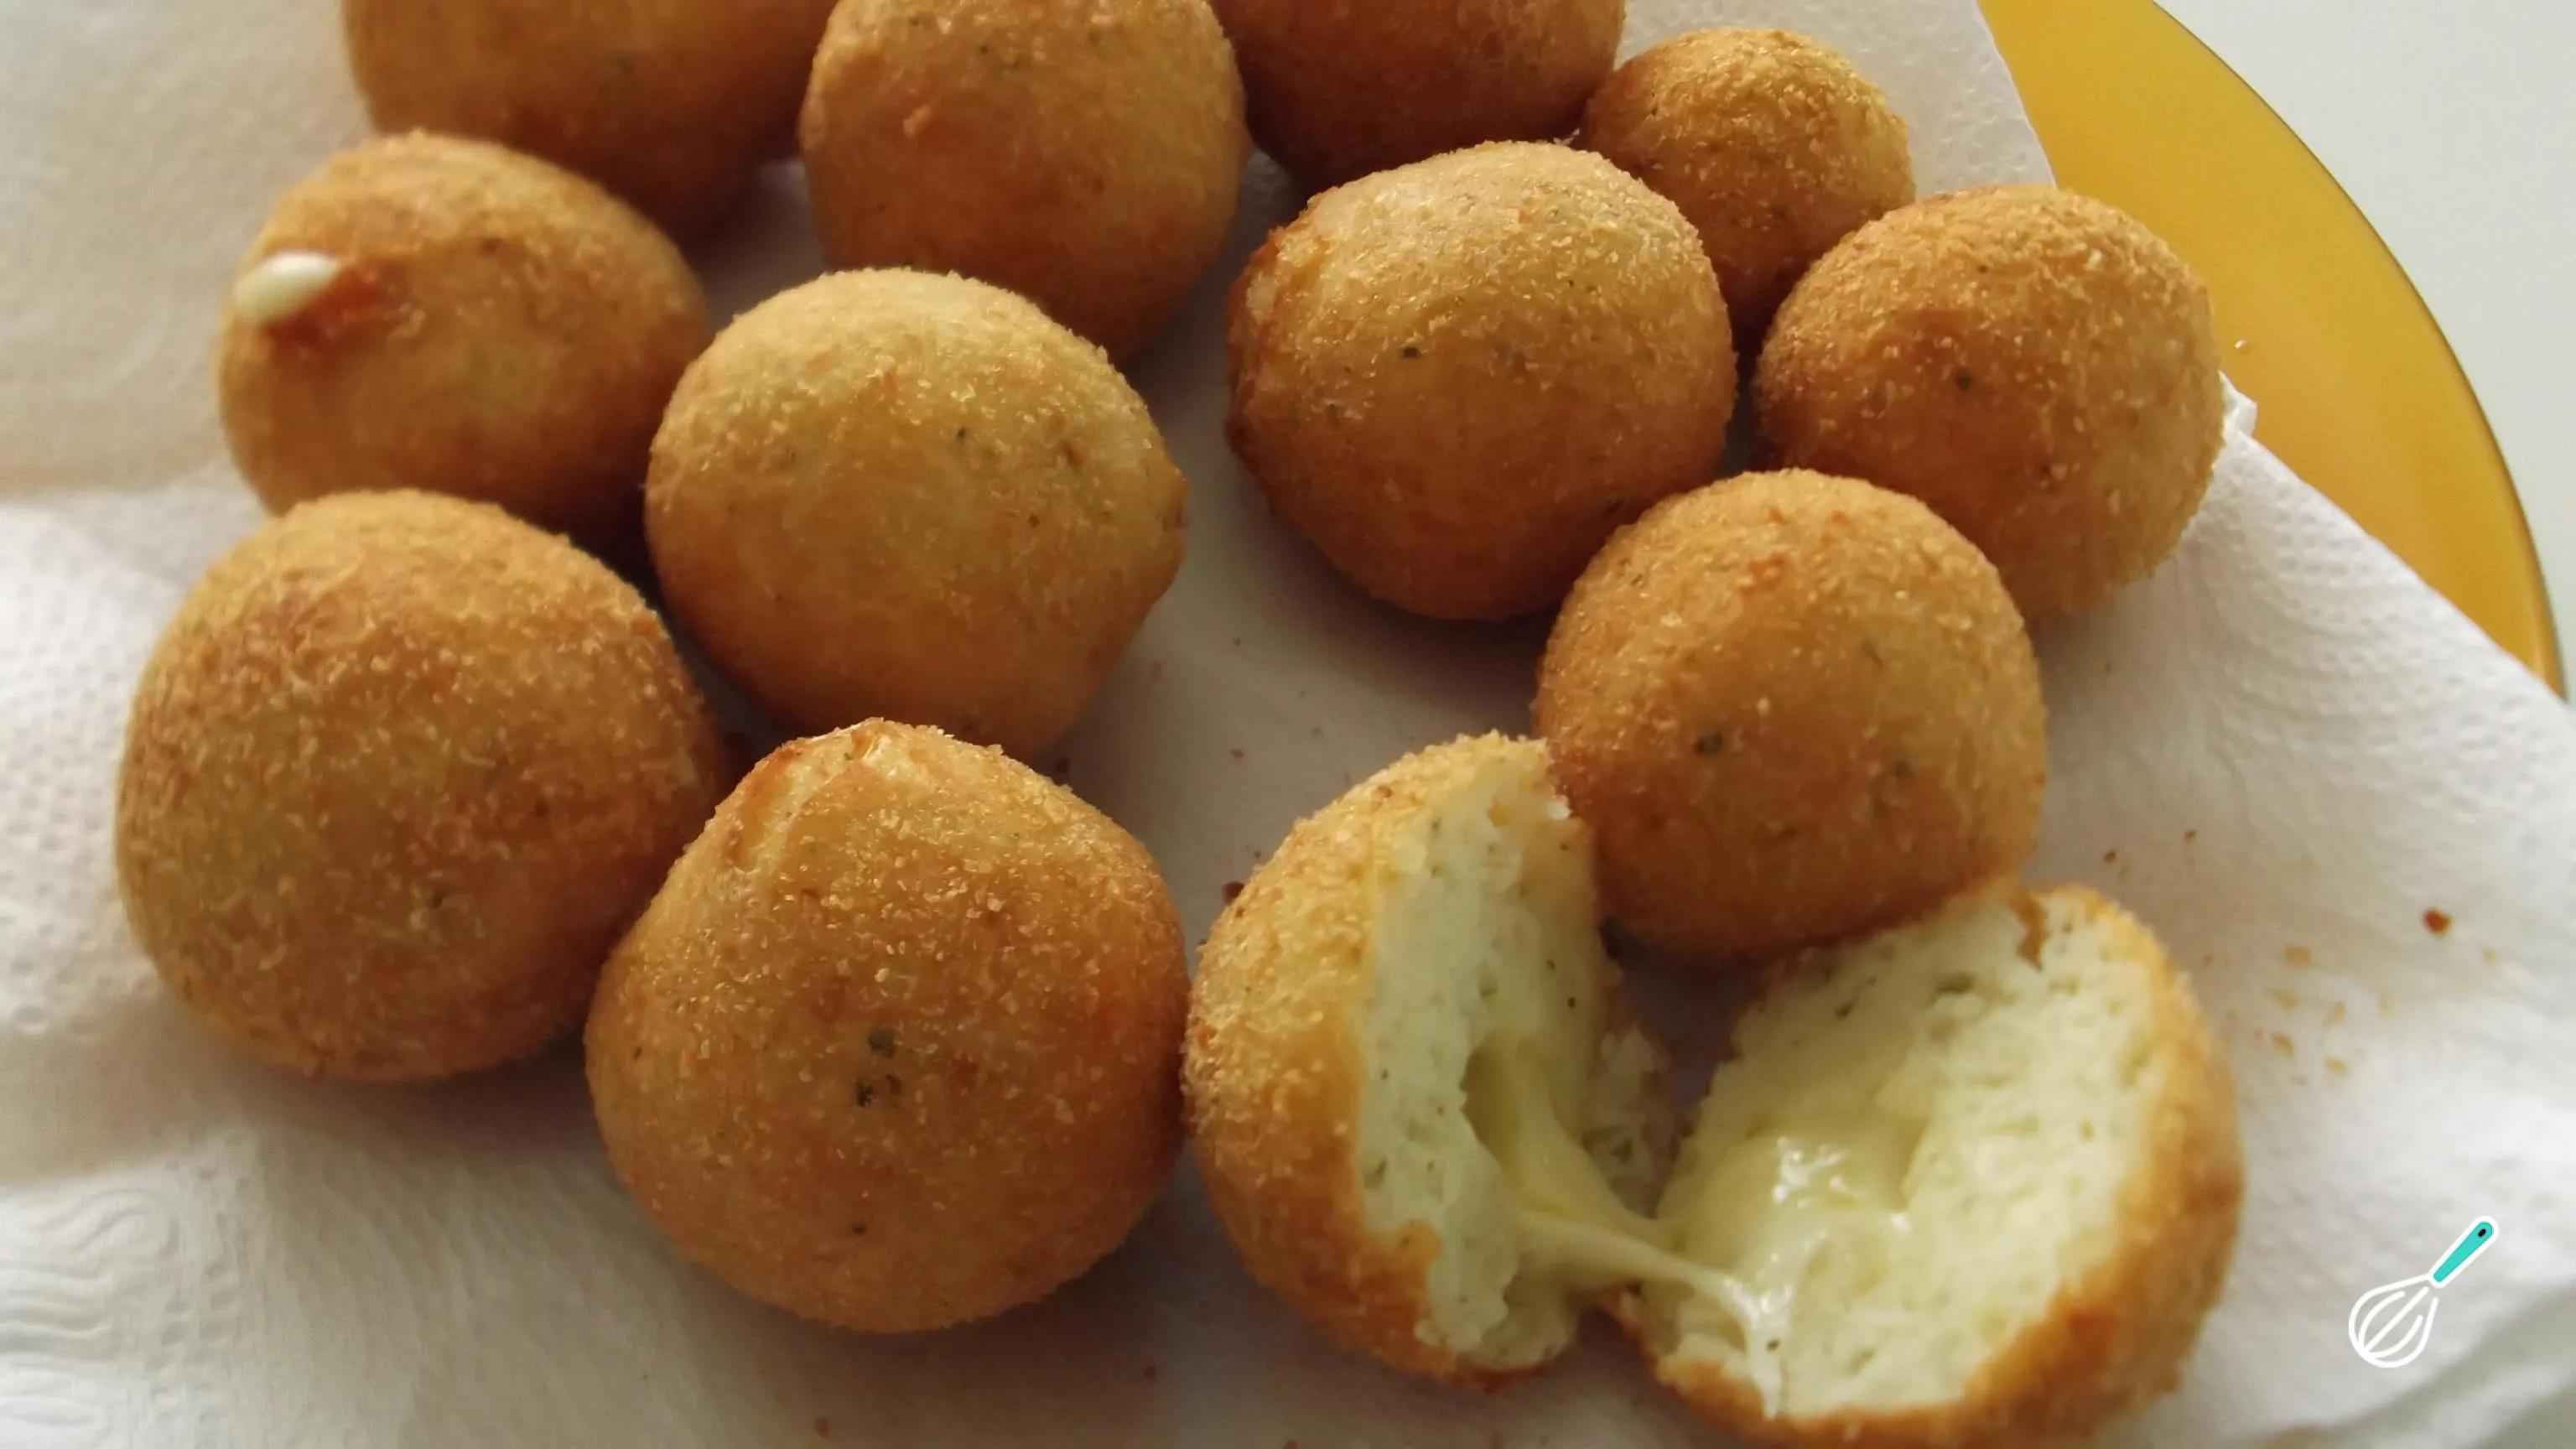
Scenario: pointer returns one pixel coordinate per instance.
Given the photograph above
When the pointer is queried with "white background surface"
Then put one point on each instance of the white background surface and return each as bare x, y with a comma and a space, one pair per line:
2450, 122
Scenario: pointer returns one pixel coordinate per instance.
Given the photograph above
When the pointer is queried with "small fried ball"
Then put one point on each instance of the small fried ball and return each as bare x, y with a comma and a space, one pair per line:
891, 493
1793, 708
669, 103
1459, 376
433, 313
1085, 156
898, 1045
2033, 364
397, 776
1341, 88
1770, 143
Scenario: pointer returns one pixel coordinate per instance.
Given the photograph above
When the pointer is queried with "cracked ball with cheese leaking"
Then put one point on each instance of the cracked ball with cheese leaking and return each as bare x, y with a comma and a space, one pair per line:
897, 1045
1972, 1180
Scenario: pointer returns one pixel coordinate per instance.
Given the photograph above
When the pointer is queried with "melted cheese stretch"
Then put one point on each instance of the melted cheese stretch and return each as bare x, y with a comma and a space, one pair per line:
1763, 1209
1574, 1228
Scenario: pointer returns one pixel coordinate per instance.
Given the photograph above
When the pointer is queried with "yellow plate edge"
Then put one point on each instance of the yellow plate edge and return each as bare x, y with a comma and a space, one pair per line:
2358, 389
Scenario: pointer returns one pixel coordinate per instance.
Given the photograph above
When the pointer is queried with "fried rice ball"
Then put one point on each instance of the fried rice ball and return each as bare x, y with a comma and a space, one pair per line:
1085, 156
891, 493
669, 103
1458, 377
1770, 143
1341, 88
1410, 1057
2033, 364
898, 1045
1794, 708
397, 776
1976, 1180
441, 314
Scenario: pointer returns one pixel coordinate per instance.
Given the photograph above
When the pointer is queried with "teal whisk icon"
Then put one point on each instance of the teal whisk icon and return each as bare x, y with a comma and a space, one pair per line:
2391, 1324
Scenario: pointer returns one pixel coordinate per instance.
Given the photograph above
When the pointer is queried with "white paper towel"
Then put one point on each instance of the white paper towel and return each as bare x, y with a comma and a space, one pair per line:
2282, 751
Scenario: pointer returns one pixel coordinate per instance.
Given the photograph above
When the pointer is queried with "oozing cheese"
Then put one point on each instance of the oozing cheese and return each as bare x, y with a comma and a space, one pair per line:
1766, 1209
1743, 1240
1574, 1229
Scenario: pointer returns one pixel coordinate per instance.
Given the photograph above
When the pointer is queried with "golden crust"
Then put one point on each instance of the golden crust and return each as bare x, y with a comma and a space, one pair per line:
1340, 88
2036, 366
1085, 156
1457, 378
1273, 1073
397, 775
668, 103
898, 1045
502, 330
1792, 708
2116, 1336
890, 493
1770, 143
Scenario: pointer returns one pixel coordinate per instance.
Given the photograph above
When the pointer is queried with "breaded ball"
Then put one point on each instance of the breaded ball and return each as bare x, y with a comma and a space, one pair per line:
1341, 88
669, 103
397, 776
1084, 155
2033, 364
891, 493
1770, 143
1458, 377
898, 1044
433, 313
1794, 708
1414, 1087
1975, 1180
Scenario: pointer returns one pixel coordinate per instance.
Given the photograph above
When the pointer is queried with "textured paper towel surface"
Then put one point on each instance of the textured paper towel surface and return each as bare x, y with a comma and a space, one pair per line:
2293, 749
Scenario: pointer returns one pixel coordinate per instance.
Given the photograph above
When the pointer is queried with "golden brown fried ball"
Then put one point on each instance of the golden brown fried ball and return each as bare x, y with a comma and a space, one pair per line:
441, 314
1459, 376
1770, 143
891, 493
898, 1045
1085, 156
2033, 364
669, 103
1794, 708
1340, 88
397, 776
